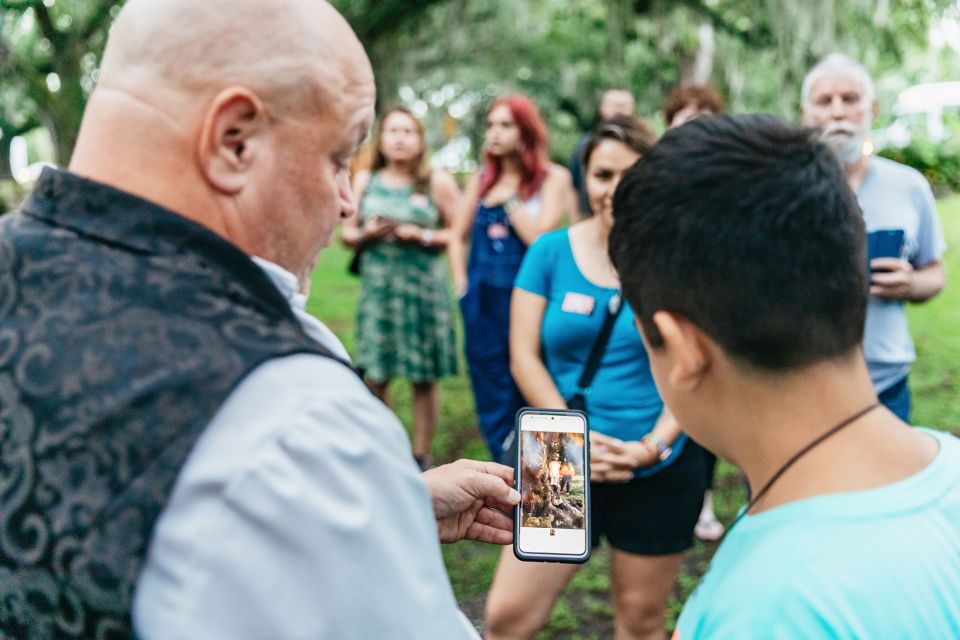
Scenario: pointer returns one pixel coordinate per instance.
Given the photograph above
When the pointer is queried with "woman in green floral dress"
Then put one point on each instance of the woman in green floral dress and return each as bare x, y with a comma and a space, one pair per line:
405, 316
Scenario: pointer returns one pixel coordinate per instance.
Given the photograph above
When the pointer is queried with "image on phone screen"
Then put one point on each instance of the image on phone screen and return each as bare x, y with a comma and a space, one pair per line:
553, 483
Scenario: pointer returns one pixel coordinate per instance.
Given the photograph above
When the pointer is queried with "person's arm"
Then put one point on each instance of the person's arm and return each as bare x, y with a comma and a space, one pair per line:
446, 198
460, 231
352, 234
554, 196
615, 460
921, 276
526, 365
895, 279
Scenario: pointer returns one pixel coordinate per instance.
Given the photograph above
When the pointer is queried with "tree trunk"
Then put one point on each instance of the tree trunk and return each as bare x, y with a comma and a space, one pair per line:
702, 67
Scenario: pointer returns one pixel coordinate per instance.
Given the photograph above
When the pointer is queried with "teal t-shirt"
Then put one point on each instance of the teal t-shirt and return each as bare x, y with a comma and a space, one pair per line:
622, 401
876, 564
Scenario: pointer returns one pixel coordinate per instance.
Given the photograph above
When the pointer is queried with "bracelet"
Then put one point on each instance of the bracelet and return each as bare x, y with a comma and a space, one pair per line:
426, 237
662, 448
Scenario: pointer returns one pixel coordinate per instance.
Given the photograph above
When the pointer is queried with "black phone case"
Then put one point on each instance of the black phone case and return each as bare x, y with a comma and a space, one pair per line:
588, 509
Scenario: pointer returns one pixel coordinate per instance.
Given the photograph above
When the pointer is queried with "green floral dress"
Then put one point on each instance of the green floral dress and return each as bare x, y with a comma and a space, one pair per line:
405, 315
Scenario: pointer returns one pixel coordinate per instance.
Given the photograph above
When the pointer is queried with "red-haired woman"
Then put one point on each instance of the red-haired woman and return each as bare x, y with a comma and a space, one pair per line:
515, 197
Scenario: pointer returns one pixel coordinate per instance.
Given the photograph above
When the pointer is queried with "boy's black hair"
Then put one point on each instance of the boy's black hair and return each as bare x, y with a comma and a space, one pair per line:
745, 225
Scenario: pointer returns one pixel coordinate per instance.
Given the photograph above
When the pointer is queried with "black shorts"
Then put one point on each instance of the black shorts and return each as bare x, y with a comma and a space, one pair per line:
654, 515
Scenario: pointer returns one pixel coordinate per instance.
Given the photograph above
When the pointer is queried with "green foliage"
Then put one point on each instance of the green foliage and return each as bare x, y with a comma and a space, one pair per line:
453, 56
938, 162
49, 52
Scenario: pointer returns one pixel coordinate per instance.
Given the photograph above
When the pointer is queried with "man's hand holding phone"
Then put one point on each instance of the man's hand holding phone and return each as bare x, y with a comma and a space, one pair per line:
891, 278
473, 500
615, 460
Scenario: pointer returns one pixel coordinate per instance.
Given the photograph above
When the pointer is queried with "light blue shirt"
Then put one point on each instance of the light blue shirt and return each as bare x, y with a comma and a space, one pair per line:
622, 400
877, 564
895, 196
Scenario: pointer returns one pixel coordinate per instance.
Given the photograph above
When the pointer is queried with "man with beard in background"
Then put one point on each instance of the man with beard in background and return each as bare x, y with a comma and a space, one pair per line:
838, 97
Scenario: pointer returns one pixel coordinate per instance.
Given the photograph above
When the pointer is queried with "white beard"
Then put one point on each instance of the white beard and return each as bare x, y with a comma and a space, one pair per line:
848, 148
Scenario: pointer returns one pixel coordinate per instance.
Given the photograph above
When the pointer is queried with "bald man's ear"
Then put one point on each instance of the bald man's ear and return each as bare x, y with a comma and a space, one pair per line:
688, 350
232, 138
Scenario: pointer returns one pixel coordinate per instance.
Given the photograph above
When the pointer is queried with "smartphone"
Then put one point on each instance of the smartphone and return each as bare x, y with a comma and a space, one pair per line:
885, 243
552, 521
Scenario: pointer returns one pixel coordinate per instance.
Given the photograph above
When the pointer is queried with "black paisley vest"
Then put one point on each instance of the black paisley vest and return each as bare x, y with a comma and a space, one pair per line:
123, 327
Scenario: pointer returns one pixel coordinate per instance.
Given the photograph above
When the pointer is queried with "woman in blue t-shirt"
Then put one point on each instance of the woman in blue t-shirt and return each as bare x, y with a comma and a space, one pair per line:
646, 484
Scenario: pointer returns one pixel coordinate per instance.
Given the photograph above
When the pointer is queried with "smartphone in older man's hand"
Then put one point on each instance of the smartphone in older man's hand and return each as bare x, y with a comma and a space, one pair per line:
552, 522
885, 243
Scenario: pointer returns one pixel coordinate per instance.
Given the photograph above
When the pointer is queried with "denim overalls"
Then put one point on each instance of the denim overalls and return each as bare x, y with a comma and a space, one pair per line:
496, 252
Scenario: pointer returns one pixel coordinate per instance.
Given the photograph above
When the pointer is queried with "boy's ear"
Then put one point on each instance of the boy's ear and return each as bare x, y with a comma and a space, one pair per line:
688, 350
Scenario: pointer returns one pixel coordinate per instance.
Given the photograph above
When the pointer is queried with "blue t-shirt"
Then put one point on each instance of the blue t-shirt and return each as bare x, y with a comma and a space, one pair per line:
881, 563
895, 196
622, 400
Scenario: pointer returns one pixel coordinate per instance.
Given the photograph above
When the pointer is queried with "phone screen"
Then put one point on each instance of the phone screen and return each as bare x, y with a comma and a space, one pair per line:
552, 478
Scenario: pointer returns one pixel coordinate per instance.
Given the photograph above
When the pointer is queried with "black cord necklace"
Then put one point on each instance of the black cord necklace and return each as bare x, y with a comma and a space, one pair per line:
799, 454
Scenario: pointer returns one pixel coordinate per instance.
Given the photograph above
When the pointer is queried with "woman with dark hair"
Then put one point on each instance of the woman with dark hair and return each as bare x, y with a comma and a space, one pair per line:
646, 483
515, 197
404, 316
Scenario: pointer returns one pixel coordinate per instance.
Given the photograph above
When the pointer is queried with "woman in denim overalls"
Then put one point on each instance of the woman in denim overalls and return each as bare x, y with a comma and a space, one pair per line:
516, 196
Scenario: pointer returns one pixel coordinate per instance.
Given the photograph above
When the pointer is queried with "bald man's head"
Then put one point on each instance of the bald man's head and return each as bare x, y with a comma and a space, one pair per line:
239, 114
292, 53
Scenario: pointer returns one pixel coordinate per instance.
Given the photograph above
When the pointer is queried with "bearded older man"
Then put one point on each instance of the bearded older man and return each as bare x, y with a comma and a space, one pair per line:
838, 97
184, 452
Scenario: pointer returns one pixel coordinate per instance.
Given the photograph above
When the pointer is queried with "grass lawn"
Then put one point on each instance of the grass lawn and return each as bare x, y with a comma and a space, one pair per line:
585, 611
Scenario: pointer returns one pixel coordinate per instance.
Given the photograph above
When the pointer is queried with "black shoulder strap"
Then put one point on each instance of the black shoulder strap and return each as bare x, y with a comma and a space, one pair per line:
600, 345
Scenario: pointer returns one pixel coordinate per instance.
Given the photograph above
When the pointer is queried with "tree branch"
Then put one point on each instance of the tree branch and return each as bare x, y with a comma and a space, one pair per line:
386, 17
98, 19
758, 38
47, 27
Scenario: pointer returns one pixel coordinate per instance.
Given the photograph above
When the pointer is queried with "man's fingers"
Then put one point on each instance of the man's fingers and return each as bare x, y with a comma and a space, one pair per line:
495, 518
491, 468
485, 533
487, 486
888, 278
890, 264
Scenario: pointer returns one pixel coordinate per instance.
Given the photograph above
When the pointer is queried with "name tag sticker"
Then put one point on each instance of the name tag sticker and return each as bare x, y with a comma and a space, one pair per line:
578, 303
419, 201
497, 231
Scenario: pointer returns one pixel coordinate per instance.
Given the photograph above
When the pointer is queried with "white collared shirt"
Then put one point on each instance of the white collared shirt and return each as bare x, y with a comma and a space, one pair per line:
298, 514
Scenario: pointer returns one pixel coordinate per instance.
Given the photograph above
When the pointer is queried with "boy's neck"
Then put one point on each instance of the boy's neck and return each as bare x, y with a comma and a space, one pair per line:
783, 418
